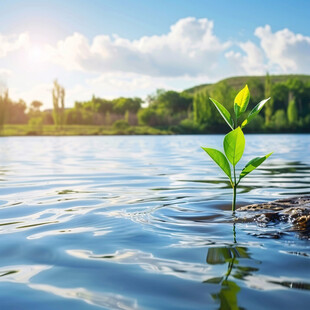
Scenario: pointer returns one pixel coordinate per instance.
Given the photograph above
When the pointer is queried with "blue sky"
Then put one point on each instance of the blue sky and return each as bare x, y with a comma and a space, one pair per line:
130, 48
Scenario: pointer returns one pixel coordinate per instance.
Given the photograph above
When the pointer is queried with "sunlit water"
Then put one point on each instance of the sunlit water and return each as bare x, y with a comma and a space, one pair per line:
145, 223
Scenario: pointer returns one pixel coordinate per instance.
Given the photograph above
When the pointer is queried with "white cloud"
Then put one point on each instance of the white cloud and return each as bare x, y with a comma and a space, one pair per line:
189, 48
286, 51
250, 62
109, 66
12, 43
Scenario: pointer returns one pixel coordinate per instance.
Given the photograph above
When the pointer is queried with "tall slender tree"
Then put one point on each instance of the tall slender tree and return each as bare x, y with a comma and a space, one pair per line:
4, 102
58, 94
292, 111
269, 106
202, 110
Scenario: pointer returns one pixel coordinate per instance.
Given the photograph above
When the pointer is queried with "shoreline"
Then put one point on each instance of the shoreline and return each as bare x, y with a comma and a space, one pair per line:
24, 130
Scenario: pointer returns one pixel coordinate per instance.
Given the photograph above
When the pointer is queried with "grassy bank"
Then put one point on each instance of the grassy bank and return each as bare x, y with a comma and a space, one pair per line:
78, 130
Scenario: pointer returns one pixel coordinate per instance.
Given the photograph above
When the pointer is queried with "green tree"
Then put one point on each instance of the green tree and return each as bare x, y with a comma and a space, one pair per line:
196, 108
152, 117
122, 105
267, 93
305, 100
78, 116
280, 95
36, 105
4, 102
279, 119
257, 89
226, 95
15, 113
126, 117
152, 98
103, 106
58, 94
257, 124
202, 109
292, 112
297, 89
172, 101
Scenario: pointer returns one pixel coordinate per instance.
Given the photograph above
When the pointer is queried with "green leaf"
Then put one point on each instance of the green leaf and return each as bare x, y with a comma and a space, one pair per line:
252, 165
254, 112
241, 101
219, 159
216, 280
224, 113
218, 255
234, 144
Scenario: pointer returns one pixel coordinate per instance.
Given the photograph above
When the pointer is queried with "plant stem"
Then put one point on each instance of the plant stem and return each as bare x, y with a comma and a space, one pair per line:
234, 232
230, 267
234, 199
234, 192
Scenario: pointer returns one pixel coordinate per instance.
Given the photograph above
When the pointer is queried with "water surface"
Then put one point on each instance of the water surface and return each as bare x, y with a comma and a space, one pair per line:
144, 222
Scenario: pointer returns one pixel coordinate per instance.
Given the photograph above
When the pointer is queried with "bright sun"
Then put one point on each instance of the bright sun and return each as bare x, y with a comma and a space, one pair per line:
35, 53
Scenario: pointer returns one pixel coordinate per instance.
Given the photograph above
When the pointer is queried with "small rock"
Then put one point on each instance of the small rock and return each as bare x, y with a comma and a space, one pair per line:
295, 211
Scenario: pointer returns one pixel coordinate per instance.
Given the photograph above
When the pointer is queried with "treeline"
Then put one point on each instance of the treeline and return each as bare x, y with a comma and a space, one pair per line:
189, 111
99, 111
288, 110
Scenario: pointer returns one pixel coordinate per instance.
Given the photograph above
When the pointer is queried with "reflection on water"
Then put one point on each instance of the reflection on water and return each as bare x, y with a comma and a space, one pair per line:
104, 300
149, 263
145, 223
235, 258
24, 274
228, 289
231, 255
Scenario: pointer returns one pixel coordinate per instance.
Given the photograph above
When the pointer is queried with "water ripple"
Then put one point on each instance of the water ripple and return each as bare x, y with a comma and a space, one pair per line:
145, 223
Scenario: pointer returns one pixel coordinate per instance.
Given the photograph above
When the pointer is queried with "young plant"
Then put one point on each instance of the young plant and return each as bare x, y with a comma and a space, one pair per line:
234, 141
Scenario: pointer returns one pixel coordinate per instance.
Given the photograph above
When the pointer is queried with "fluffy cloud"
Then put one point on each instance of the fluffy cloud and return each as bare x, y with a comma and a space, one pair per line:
249, 62
110, 66
286, 51
12, 43
189, 48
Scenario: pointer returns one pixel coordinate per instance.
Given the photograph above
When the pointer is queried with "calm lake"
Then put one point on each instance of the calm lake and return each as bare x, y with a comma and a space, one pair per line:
143, 222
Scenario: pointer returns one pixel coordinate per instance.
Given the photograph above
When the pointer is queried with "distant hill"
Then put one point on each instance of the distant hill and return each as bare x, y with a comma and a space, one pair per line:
239, 81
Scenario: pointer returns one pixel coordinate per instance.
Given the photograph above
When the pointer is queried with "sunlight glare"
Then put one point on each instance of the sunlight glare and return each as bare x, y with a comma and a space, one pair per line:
35, 54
